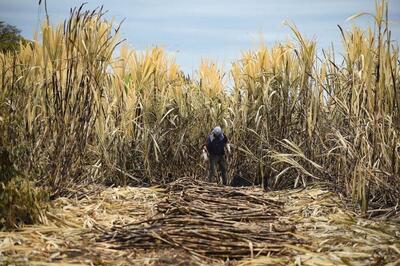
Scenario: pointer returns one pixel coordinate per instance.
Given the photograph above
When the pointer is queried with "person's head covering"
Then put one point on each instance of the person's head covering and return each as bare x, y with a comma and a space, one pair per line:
217, 131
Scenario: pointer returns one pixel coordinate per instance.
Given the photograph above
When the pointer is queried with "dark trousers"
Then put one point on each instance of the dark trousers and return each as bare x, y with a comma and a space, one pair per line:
220, 161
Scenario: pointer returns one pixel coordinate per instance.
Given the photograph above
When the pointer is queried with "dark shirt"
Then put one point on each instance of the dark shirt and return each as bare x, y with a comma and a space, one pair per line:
216, 145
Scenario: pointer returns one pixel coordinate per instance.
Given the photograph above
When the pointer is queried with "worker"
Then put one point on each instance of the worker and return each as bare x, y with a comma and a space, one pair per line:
214, 151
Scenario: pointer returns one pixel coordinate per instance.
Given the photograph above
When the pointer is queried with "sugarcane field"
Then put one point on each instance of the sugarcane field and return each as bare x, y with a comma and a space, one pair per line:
200, 132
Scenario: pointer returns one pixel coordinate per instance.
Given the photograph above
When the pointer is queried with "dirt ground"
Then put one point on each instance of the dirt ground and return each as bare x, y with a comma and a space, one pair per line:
330, 233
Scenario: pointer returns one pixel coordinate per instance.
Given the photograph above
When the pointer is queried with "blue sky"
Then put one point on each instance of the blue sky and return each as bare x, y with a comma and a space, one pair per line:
213, 29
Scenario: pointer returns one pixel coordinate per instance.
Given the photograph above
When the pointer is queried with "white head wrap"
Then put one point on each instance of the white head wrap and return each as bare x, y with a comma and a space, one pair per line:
217, 131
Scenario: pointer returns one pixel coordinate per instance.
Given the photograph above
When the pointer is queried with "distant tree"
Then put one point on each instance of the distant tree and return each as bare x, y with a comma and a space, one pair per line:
10, 37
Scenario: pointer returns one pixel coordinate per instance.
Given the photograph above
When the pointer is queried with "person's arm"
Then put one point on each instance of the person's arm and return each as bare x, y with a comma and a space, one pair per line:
206, 144
205, 150
228, 147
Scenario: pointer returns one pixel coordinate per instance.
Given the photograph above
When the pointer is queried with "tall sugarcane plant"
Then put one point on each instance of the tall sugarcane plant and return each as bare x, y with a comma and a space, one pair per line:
73, 112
